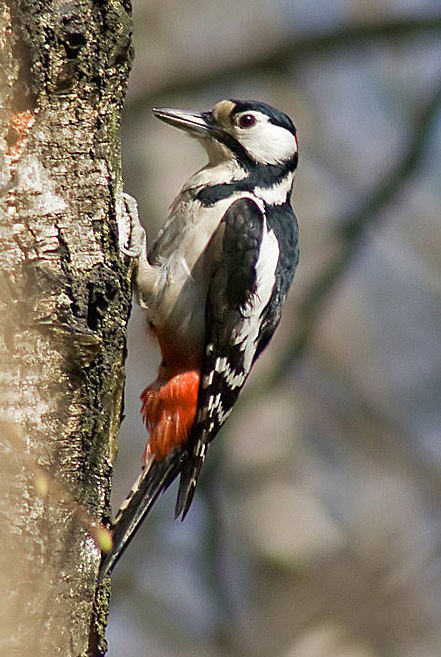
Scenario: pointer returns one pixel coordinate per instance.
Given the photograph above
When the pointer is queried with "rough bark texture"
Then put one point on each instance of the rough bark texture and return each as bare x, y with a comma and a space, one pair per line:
64, 302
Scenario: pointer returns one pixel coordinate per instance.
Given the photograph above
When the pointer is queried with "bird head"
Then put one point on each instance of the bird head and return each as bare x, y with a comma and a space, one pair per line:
250, 132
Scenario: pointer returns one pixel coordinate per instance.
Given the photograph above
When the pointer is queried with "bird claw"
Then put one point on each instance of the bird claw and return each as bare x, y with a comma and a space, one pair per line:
131, 235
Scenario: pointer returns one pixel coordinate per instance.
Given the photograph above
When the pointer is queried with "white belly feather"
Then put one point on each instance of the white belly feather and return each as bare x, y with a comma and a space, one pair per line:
173, 290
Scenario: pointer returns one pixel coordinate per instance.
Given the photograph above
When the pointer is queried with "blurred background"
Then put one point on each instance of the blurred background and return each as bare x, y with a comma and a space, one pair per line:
316, 528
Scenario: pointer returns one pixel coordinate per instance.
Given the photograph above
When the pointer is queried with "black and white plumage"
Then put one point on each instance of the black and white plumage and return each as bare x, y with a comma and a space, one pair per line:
213, 287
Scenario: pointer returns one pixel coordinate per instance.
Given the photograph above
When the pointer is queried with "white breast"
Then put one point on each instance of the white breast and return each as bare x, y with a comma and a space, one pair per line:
176, 305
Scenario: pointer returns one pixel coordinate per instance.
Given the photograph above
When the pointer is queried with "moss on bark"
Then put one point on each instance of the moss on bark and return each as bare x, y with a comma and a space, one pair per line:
64, 303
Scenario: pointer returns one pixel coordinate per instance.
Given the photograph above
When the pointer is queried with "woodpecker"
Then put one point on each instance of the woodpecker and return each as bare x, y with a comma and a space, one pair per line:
212, 287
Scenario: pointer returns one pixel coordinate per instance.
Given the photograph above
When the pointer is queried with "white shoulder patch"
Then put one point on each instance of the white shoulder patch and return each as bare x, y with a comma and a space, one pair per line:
248, 334
277, 193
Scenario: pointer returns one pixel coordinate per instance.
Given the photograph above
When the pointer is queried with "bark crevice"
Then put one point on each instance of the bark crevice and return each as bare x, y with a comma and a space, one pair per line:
64, 304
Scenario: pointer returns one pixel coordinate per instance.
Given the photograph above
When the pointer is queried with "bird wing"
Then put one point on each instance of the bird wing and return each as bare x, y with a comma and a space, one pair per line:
246, 255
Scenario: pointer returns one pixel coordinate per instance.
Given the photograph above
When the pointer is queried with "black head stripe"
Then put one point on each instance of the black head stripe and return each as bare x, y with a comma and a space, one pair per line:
275, 116
258, 176
234, 146
224, 138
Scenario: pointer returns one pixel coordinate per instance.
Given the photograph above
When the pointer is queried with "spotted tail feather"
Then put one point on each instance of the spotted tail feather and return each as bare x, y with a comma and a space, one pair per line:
155, 478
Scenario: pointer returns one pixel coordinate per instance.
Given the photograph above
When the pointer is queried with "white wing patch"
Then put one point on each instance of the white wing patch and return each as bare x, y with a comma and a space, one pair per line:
207, 380
265, 280
248, 333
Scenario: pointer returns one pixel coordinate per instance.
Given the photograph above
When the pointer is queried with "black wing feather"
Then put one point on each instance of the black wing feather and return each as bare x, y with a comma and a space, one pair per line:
230, 296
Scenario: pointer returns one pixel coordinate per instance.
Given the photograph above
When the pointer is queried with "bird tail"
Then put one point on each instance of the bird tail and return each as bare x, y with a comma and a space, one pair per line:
154, 479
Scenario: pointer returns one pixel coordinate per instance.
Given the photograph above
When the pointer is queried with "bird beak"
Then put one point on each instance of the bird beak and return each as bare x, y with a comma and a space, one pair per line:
198, 125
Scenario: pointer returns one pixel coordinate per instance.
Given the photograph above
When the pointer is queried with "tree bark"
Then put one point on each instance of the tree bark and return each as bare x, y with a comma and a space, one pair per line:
64, 303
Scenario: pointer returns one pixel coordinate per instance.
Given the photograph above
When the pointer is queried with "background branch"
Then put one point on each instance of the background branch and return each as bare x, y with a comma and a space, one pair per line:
287, 53
351, 230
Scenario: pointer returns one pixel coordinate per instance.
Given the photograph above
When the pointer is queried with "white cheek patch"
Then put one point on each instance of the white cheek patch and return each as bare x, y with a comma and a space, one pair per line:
268, 143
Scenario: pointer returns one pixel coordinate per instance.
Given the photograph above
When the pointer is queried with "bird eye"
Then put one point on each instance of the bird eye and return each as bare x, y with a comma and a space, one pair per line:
247, 121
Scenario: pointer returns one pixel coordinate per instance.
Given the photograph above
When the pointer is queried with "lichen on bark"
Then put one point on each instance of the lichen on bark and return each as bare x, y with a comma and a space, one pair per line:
64, 303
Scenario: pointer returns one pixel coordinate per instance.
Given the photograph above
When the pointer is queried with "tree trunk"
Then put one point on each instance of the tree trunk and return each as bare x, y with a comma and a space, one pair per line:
64, 303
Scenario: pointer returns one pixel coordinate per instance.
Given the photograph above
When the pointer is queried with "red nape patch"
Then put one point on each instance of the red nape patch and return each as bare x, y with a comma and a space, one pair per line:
169, 410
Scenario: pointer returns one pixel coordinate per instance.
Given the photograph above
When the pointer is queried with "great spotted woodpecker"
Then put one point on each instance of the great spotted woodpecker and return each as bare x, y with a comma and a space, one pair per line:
212, 287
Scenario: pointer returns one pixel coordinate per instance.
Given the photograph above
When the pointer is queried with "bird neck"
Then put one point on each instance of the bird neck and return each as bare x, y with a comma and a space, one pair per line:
270, 183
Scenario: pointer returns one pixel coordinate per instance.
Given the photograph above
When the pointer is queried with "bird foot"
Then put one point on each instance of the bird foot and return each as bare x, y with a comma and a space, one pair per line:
131, 235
